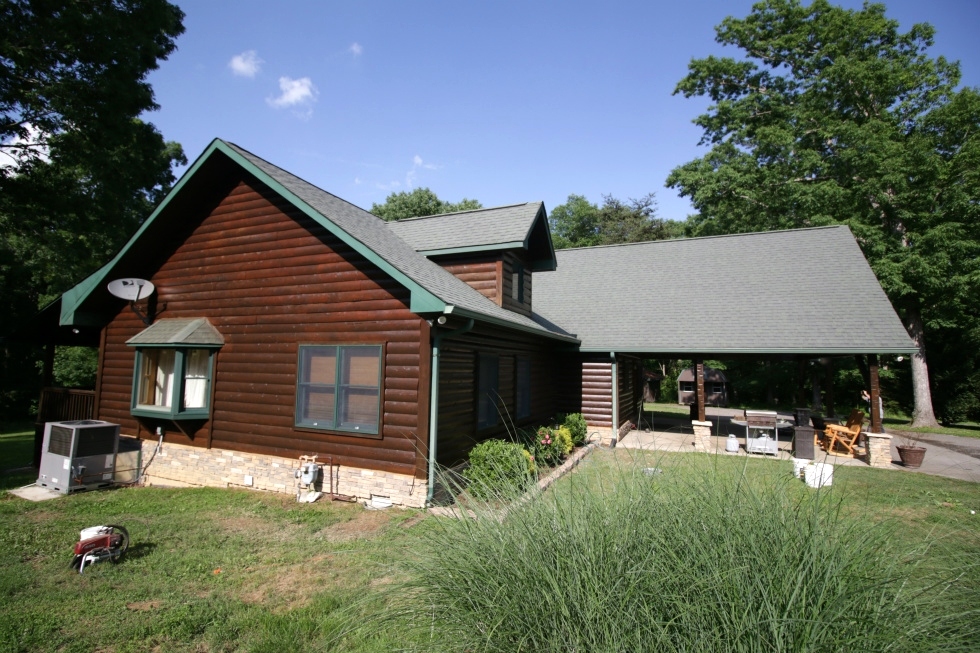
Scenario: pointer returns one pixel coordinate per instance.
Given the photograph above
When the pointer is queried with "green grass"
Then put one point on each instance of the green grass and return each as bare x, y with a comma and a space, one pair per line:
236, 570
16, 453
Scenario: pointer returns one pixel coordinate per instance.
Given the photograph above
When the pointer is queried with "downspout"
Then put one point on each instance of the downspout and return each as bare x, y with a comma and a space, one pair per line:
434, 404
615, 396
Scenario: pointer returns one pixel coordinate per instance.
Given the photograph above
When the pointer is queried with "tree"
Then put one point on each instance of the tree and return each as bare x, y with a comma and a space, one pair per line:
575, 223
833, 116
580, 223
417, 203
79, 170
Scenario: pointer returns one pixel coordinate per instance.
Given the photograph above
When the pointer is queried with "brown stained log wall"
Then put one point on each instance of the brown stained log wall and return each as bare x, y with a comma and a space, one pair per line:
480, 272
270, 279
458, 384
492, 275
597, 398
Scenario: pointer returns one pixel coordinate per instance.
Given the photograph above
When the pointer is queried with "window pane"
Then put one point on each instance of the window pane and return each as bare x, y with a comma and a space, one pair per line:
523, 387
317, 406
359, 410
361, 366
320, 365
157, 377
486, 411
196, 378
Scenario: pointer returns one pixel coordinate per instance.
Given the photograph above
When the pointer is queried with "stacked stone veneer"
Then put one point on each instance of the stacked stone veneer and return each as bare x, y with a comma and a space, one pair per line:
177, 464
878, 449
702, 436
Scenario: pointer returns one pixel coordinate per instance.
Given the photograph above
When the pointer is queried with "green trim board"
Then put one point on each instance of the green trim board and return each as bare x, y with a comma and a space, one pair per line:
471, 249
422, 301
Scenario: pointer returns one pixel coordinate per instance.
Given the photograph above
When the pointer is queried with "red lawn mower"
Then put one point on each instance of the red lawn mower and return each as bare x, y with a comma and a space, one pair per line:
99, 543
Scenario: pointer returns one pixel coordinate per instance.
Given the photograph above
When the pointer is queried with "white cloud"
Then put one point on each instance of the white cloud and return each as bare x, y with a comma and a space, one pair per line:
417, 164
295, 92
246, 64
355, 49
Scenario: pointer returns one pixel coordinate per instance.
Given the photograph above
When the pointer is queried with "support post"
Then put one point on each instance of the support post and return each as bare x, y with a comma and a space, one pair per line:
876, 426
699, 388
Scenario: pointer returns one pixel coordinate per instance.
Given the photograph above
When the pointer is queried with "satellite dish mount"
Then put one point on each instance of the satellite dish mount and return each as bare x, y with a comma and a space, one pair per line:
133, 290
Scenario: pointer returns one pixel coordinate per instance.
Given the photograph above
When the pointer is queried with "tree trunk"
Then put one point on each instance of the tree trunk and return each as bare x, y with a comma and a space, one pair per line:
922, 413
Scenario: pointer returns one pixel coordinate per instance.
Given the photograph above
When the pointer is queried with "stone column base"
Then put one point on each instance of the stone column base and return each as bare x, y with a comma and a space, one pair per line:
878, 449
702, 436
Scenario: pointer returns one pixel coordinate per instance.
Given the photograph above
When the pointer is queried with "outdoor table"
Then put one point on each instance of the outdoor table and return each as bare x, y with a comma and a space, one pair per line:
762, 444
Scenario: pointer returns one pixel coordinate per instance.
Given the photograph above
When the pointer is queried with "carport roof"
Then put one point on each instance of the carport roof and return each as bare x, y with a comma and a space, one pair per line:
805, 291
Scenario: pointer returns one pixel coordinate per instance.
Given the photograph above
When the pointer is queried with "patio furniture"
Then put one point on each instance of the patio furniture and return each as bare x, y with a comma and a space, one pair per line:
759, 424
846, 436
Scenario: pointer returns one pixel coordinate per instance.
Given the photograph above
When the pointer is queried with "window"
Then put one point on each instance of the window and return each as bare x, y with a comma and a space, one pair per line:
517, 284
687, 386
172, 382
717, 388
523, 387
338, 388
488, 391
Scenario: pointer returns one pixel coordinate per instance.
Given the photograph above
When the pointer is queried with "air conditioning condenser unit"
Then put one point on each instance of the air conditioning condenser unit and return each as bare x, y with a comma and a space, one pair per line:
78, 455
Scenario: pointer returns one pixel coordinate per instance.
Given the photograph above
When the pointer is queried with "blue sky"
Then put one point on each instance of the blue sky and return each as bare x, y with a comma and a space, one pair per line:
502, 102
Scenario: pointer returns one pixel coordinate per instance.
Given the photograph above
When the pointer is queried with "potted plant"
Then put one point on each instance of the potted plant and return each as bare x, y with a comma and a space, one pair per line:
910, 451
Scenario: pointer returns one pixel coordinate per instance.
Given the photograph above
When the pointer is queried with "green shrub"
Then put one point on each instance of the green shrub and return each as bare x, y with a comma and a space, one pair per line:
499, 468
552, 446
577, 427
690, 557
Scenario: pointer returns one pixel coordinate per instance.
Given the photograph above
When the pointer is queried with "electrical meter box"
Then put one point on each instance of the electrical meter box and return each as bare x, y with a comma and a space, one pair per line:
78, 455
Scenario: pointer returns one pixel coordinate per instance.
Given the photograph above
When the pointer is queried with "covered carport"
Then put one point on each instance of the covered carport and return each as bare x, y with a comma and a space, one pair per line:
799, 294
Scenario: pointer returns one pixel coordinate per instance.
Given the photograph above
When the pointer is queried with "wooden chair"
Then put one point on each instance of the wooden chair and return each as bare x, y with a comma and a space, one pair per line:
846, 436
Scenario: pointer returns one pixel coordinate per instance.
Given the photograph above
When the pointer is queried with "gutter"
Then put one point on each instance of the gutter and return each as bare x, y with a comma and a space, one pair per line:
434, 403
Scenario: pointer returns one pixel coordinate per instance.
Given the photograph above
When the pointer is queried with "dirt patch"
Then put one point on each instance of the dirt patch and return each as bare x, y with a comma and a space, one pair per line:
144, 606
365, 523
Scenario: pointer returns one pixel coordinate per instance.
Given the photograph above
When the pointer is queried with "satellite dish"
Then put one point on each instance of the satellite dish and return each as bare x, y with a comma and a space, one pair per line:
131, 290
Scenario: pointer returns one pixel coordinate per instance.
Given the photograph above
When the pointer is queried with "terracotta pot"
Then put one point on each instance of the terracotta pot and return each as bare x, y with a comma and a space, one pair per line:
911, 456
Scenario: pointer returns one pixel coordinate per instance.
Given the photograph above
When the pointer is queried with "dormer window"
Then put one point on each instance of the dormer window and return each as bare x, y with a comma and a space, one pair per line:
517, 284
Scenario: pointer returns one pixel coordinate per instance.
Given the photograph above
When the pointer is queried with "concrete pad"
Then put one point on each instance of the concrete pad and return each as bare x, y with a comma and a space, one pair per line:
36, 493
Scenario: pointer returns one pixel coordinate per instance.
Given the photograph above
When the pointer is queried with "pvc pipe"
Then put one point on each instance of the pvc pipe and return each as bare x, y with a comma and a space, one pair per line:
615, 395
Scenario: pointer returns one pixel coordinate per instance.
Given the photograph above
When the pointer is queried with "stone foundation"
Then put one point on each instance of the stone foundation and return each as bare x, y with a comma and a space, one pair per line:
181, 465
878, 449
702, 436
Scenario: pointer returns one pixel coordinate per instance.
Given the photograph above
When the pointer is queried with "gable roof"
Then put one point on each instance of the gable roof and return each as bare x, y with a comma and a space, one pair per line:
805, 291
516, 226
433, 289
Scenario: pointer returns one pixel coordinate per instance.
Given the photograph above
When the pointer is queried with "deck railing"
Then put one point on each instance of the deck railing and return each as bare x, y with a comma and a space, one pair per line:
60, 405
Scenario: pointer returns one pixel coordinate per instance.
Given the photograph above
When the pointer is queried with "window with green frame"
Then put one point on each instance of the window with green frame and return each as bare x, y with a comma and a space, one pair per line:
338, 388
172, 382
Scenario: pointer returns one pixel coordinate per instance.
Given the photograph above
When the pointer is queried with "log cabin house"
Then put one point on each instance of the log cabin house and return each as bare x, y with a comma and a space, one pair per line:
288, 322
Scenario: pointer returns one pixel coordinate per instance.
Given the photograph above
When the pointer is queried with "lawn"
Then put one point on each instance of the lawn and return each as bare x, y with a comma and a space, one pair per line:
239, 570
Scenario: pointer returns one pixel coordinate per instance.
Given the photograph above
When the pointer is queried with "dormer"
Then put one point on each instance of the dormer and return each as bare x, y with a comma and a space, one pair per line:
495, 251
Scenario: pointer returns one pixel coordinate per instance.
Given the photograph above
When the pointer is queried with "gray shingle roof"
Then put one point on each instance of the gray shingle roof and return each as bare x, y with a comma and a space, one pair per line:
799, 291
482, 228
179, 331
374, 233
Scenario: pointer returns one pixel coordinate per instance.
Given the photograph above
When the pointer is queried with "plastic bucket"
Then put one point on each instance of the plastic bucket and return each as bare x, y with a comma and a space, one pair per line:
818, 474
799, 464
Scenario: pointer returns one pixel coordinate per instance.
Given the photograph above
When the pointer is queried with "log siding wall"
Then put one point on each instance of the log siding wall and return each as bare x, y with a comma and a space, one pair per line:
492, 276
270, 279
458, 386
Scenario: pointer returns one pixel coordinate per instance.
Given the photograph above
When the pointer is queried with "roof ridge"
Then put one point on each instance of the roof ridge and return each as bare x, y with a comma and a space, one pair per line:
294, 175
686, 239
486, 208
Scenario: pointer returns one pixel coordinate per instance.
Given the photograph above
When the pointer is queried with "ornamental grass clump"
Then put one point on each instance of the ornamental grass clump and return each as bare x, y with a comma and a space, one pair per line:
689, 556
